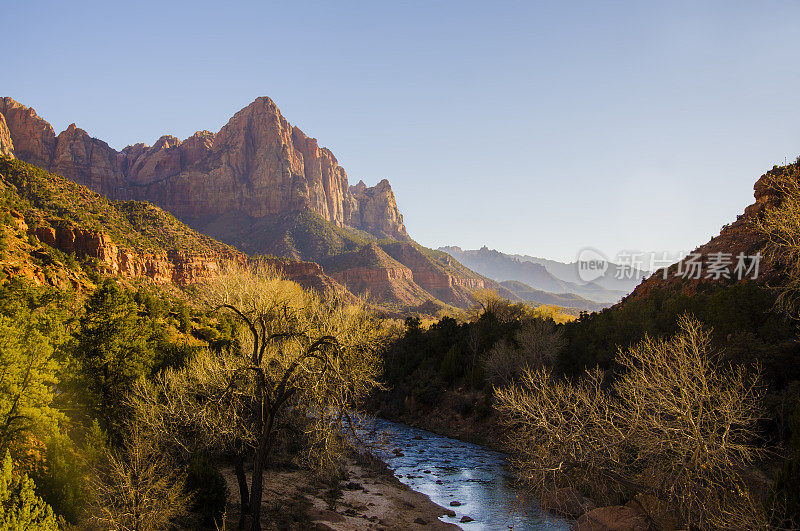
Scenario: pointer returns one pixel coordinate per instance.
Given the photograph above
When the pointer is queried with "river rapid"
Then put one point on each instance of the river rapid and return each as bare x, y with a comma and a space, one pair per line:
472, 480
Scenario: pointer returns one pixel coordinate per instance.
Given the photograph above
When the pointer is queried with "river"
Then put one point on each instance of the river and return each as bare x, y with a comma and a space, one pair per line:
447, 470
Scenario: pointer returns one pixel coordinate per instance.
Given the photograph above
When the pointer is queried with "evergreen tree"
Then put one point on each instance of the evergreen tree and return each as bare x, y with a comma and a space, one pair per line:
113, 350
30, 331
20, 507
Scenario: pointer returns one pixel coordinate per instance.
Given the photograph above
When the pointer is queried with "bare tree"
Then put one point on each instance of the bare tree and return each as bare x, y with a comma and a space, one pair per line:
297, 354
537, 343
675, 425
138, 487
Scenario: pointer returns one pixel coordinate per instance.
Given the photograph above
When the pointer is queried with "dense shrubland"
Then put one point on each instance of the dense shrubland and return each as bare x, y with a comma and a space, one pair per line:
68, 364
117, 407
465, 351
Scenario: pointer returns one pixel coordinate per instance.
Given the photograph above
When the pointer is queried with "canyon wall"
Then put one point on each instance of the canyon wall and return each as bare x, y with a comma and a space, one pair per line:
257, 164
179, 267
173, 266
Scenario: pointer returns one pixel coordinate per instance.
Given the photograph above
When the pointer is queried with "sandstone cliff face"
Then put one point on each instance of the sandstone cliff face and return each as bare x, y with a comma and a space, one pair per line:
6, 145
176, 267
34, 139
375, 210
445, 286
372, 273
400, 274
257, 164
310, 275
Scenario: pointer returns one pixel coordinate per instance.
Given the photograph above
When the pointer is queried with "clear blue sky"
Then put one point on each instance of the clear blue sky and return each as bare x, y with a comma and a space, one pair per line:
537, 128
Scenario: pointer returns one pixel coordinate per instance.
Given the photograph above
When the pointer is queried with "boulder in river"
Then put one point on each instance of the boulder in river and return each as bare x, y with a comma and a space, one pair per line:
466, 519
662, 516
566, 501
613, 518
455, 504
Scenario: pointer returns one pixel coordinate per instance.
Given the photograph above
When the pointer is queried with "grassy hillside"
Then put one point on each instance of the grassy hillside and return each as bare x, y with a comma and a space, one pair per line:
301, 235
370, 256
45, 198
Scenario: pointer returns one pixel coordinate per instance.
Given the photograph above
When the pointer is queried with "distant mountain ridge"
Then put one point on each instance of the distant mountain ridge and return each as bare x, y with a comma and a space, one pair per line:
616, 278
503, 267
564, 300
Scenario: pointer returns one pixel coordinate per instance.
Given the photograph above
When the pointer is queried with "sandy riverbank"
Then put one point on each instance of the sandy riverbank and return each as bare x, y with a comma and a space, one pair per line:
371, 498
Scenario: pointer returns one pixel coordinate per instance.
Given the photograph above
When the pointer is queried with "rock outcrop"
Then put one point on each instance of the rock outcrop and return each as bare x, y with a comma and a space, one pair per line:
179, 267
130, 240
257, 164
6, 144
372, 273
614, 518
173, 266
34, 139
310, 275
434, 278
405, 274
375, 210
739, 237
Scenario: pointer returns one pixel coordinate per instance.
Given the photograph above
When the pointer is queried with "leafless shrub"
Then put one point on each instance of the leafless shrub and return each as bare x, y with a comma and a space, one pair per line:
675, 425
138, 487
536, 344
298, 355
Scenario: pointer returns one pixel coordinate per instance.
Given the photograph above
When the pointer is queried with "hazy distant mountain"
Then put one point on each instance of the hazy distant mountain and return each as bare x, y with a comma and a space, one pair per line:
500, 266
564, 300
569, 273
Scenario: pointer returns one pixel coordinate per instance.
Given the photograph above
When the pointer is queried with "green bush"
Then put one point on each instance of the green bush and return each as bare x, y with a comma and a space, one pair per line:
206, 334
61, 482
184, 316
20, 507
208, 488
452, 366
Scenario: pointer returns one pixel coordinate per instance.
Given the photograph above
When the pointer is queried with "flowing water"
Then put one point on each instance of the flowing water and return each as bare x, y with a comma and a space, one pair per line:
448, 470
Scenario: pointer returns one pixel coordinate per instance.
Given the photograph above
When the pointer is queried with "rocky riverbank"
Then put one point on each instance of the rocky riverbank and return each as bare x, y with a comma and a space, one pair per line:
368, 497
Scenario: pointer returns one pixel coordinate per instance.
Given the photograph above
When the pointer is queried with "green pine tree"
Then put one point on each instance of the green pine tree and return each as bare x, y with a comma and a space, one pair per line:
30, 332
113, 350
20, 508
